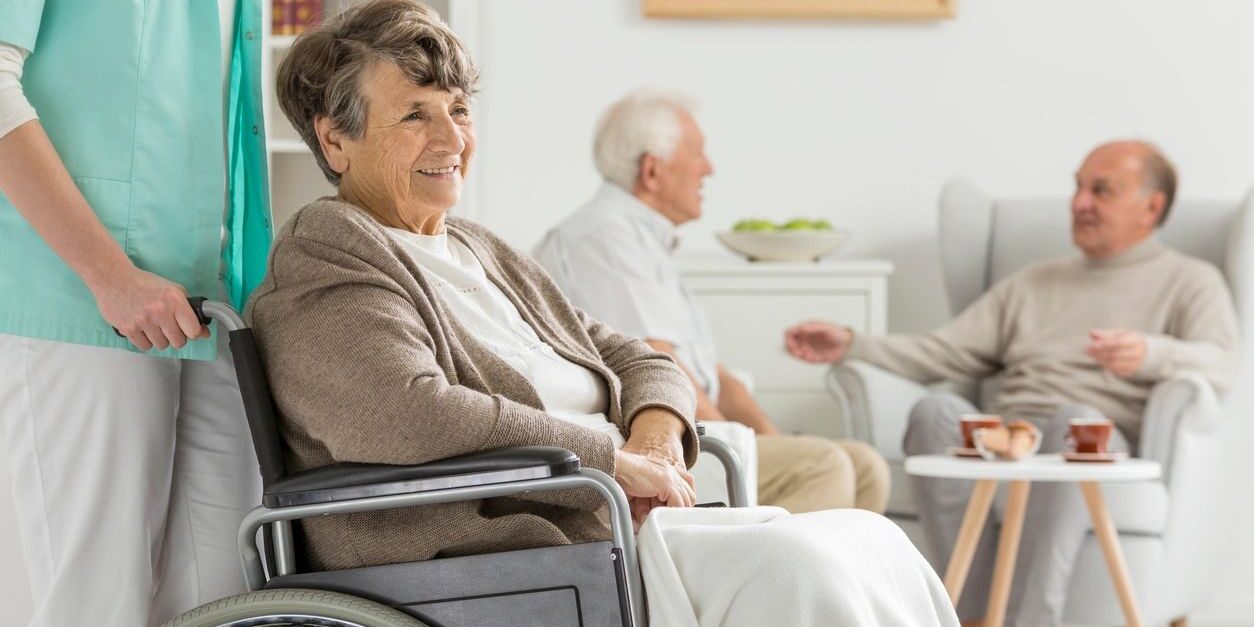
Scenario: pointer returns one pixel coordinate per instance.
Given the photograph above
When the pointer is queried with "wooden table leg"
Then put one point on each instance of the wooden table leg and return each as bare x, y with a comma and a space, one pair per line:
1007, 553
1108, 537
968, 537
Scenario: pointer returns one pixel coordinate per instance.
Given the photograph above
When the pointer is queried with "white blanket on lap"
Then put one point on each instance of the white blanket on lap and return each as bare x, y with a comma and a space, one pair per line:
756, 566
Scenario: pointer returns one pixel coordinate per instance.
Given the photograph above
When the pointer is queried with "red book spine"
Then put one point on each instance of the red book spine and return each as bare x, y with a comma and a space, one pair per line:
307, 13
280, 23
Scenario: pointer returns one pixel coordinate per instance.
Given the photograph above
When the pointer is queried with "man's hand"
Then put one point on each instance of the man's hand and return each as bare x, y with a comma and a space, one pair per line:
1118, 350
818, 342
149, 310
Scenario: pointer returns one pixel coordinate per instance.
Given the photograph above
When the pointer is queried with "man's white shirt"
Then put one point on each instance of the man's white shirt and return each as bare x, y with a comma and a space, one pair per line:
612, 258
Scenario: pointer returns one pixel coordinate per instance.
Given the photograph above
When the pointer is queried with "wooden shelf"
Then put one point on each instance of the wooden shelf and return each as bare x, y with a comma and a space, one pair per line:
281, 42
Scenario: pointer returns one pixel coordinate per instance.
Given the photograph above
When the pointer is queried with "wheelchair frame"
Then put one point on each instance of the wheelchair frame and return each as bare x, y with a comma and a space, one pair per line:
352, 488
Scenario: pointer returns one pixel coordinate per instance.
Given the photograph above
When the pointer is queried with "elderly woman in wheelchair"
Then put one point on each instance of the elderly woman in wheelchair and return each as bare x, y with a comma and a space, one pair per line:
460, 443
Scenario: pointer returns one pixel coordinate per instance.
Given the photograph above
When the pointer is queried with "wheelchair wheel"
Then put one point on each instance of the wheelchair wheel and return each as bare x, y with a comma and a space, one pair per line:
294, 607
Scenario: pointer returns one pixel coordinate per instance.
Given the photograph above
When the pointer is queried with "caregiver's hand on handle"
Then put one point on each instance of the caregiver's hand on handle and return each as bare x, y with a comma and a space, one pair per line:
818, 342
149, 310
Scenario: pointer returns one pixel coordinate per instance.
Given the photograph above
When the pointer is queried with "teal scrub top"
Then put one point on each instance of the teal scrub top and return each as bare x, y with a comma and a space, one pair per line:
131, 95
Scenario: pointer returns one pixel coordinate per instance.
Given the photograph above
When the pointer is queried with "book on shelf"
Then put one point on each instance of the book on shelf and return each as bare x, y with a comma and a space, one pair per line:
291, 17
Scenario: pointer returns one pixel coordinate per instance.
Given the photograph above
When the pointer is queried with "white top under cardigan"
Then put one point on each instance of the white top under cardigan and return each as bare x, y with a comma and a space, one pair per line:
569, 391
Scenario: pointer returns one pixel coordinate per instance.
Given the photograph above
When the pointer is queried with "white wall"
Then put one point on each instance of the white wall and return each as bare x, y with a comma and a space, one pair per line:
862, 122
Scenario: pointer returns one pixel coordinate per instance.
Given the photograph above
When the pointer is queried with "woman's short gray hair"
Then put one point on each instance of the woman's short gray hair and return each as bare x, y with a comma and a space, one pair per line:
321, 75
644, 122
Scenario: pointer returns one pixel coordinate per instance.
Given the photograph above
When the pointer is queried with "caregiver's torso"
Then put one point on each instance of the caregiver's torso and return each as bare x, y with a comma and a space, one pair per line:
132, 95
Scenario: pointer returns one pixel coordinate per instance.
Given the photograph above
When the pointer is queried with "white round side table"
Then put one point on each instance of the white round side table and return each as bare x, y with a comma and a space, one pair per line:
1020, 474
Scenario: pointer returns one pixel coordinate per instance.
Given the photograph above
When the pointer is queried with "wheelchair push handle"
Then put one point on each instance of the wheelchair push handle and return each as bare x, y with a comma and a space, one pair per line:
198, 306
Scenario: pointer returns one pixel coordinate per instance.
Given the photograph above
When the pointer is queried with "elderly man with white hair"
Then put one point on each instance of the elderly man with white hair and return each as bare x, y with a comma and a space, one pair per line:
612, 258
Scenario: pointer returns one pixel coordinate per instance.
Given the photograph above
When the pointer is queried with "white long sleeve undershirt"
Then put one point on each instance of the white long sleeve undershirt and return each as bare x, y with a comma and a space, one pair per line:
14, 108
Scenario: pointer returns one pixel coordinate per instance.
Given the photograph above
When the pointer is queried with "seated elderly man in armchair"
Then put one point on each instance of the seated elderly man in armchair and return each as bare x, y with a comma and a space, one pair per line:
1080, 336
612, 258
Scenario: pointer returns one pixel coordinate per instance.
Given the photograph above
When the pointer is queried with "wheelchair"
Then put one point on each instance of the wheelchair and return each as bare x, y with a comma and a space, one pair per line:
594, 584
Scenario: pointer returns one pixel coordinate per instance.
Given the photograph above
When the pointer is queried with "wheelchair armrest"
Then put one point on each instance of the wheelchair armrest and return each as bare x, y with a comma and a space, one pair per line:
489, 474
347, 481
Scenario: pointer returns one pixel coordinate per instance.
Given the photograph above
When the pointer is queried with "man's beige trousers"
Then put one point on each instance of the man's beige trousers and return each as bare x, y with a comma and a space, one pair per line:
804, 473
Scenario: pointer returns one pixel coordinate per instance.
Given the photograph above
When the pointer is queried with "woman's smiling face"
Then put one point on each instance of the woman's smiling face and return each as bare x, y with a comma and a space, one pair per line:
408, 165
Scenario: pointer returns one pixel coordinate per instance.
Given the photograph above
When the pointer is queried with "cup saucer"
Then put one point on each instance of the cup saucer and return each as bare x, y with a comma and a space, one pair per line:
1110, 456
963, 451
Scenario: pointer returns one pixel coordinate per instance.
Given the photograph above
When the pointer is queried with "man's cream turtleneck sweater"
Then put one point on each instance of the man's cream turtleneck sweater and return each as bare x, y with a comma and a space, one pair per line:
1033, 327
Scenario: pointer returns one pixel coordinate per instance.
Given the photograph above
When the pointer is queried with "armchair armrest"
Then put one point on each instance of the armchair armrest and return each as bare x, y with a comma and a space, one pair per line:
874, 404
348, 481
1186, 402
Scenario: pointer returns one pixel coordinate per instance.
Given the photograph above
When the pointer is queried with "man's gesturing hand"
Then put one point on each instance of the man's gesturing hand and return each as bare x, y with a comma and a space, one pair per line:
818, 342
1118, 350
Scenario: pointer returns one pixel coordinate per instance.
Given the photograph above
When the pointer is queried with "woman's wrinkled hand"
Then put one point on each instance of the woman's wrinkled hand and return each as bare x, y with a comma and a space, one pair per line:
663, 448
650, 482
658, 433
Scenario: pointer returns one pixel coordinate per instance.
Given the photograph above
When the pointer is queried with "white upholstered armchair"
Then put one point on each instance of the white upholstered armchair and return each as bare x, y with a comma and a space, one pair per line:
1169, 529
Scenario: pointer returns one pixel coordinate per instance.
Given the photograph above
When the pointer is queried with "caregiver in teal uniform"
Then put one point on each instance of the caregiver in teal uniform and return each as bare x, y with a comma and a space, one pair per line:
132, 172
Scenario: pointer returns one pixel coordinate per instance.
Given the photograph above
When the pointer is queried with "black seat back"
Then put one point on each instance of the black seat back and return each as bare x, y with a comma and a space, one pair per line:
258, 406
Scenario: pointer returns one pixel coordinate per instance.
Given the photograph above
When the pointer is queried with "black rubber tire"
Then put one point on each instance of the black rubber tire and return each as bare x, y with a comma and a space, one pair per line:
251, 608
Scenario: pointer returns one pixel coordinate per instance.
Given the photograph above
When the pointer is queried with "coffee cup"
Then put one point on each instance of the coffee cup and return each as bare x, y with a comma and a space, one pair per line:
1090, 435
971, 422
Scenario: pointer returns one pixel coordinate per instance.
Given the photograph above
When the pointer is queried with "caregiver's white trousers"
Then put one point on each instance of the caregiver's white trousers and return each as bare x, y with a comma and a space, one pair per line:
130, 477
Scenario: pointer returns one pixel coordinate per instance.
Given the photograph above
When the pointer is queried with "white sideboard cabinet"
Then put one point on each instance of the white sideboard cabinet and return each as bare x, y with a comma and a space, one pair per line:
750, 304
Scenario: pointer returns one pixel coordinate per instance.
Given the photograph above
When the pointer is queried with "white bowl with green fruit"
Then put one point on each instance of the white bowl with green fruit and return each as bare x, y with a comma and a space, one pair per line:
798, 239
